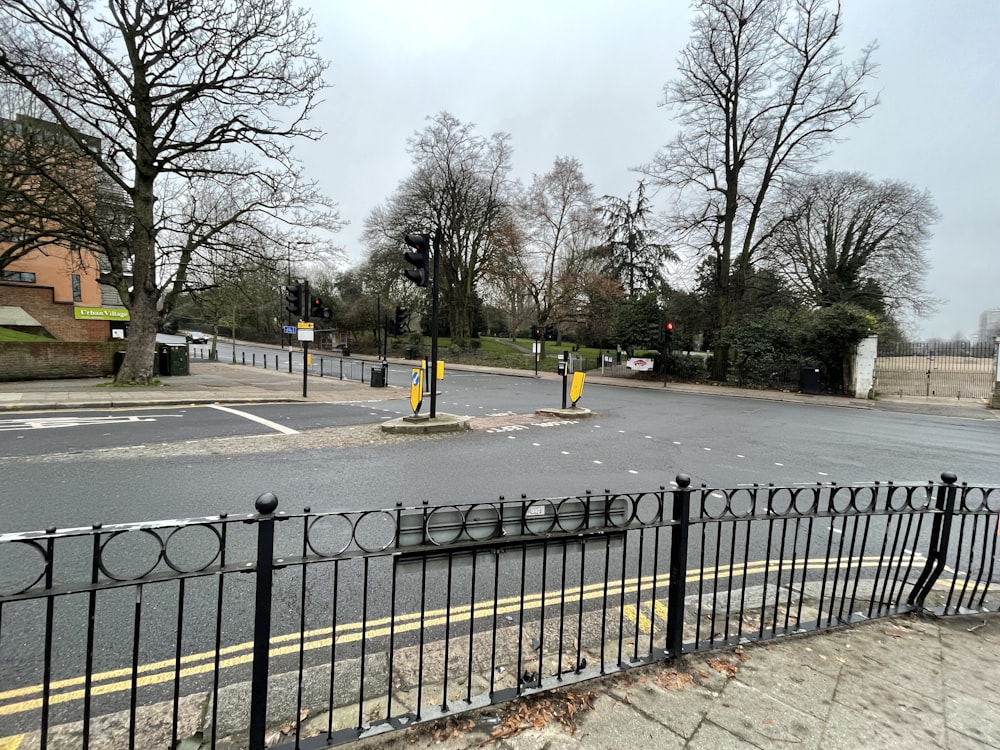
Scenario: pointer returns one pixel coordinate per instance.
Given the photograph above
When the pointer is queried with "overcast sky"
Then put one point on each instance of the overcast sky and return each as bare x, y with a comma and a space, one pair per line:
584, 79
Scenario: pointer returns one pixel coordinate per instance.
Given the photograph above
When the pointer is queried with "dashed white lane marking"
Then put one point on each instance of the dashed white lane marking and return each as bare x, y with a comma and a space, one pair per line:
565, 453
739, 455
708, 449
259, 420
823, 474
632, 471
777, 464
677, 442
598, 462
537, 445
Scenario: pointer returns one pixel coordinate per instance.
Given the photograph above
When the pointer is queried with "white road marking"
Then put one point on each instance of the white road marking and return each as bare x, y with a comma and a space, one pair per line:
259, 420
632, 471
598, 462
48, 423
777, 464
739, 455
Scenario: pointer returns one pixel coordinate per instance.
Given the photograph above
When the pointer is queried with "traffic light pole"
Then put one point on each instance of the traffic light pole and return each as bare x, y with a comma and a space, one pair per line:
432, 380
305, 344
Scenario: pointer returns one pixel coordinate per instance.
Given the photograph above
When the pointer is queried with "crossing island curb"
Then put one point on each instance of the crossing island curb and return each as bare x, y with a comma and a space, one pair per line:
427, 425
573, 412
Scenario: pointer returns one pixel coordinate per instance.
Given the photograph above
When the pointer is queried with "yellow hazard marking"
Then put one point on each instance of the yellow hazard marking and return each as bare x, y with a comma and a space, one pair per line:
640, 619
11, 743
153, 673
660, 610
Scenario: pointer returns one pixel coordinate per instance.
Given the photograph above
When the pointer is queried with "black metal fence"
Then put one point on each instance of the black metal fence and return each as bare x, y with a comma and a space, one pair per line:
334, 626
341, 366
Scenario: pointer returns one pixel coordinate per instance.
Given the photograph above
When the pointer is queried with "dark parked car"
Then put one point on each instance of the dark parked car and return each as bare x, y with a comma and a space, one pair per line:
196, 337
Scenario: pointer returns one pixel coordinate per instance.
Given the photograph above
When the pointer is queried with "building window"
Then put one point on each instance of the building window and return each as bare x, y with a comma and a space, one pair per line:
77, 294
27, 276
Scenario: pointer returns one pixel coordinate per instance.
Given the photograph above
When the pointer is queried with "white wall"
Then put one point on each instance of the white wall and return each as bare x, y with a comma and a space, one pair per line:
864, 367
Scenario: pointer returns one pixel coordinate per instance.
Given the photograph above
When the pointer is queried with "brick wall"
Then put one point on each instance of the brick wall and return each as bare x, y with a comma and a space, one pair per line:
42, 360
56, 317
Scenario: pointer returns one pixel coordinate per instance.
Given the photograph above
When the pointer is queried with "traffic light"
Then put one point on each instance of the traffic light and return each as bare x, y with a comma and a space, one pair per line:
316, 308
550, 332
401, 322
668, 332
536, 333
293, 293
419, 257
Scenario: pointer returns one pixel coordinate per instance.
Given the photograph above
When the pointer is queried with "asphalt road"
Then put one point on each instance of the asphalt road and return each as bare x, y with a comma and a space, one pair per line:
636, 440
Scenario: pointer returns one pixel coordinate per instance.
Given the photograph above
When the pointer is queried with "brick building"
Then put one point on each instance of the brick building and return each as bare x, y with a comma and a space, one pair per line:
54, 287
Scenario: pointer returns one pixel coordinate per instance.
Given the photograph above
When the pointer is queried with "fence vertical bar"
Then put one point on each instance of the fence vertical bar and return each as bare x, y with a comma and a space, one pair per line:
678, 565
940, 534
266, 505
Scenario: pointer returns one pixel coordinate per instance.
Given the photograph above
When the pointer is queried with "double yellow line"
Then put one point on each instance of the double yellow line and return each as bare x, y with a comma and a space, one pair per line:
29, 698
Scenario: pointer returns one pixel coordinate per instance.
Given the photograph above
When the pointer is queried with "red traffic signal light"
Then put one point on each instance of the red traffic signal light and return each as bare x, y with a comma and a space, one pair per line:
536, 333
668, 328
419, 258
316, 307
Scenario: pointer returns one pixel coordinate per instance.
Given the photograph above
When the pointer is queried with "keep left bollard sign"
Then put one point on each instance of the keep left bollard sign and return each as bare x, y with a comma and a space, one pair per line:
416, 388
576, 388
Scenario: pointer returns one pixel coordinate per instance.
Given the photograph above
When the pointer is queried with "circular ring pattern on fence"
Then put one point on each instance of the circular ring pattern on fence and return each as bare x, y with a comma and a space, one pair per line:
539, 517
619, 511
375, 531
330, 534
184, 552
483, 521
130, 554
572, 513
19, 566
444, 525
648, 508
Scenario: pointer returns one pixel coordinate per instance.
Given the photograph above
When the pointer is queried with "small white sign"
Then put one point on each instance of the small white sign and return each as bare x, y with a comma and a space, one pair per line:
306, 334
642, 364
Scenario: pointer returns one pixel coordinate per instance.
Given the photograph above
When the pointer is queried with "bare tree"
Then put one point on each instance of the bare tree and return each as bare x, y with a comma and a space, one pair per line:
559, 222
847, 238
761, 94
183, 97
460, 186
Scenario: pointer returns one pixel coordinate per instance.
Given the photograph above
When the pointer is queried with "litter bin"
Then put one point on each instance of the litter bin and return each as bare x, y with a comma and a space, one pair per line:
379, 375
408, 353
174, 359
116, 362
809, 381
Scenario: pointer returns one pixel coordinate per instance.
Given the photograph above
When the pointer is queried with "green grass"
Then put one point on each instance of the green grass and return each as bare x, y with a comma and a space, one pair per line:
7, 334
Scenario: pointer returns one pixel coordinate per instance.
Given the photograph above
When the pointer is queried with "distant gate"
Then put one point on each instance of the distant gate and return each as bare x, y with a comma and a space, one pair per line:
954, 370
